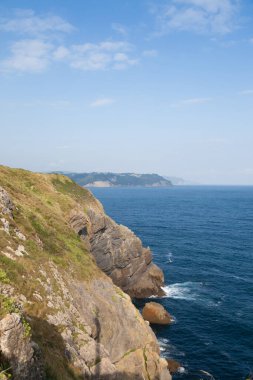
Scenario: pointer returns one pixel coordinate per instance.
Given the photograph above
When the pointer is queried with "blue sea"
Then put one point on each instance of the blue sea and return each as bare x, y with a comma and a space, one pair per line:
202, 238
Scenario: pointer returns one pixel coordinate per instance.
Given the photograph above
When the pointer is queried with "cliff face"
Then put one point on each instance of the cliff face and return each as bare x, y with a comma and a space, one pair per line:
118, 252
61, 317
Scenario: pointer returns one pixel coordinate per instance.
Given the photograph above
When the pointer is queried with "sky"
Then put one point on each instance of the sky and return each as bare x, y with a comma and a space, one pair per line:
145, 86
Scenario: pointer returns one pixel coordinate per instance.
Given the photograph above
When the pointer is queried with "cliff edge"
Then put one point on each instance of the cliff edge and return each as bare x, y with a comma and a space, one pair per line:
61, 316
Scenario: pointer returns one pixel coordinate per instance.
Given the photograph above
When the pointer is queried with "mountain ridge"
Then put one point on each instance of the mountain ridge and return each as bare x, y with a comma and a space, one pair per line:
110, 179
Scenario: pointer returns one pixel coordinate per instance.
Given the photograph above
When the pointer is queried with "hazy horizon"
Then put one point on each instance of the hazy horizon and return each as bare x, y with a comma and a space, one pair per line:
160, 87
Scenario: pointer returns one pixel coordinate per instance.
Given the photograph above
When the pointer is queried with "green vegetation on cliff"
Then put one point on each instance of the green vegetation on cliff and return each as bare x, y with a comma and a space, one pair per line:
33, 234
61, 317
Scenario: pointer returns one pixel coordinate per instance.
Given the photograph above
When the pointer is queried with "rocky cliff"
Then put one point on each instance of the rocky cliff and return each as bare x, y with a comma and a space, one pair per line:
118, 252
61, 316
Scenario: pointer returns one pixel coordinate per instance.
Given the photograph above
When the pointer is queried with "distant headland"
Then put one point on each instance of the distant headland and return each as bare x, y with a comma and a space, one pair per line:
96, 179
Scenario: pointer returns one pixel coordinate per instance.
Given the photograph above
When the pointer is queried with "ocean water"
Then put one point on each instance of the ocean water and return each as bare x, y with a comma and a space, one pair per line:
202, 238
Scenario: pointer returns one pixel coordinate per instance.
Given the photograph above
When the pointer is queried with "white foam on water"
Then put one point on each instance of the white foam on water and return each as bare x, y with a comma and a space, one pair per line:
181, 370
207, 374
184, 290
169, 257
168, 350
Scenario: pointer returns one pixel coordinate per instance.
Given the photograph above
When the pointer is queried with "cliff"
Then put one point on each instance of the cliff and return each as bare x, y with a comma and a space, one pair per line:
61, 316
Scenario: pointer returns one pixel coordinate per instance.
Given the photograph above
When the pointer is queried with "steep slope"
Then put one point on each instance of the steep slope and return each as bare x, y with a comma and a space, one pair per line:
61, 317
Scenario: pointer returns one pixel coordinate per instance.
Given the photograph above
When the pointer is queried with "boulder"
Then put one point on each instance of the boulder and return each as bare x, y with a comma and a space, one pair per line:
155, 313
173, 365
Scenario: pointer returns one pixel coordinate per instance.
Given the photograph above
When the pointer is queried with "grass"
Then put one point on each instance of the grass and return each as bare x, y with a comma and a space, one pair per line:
3, 277
5, 368
42, 209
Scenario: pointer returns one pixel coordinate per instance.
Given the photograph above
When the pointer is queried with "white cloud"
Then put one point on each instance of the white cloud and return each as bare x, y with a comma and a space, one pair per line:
28, 55
41, 48
27, 22
190, 102
102, 102
61, 53
246, 92
200, 16
150, 53
35, 55
101, 56
119, 28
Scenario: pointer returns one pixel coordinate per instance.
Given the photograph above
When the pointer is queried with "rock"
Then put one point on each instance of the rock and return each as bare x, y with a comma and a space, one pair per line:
6, 225
19, 234
6, 204
22, 354
119, 253
165, 374
155, 313
104, 369
80, 320
173, 365
149, 283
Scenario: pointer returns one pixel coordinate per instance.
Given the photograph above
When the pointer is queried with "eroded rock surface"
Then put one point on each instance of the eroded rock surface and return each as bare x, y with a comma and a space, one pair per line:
23, 355
119, 253
6, 204
155, 313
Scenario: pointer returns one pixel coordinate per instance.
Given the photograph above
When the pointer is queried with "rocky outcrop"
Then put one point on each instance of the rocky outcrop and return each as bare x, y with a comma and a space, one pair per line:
173, 365
156, 314
78, 323
119, 253
16, 346
6, 204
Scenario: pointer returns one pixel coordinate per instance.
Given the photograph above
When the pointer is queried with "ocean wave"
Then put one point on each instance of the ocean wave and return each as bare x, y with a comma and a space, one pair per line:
169, 257
168, 350
185, 290
207, 374
181, 370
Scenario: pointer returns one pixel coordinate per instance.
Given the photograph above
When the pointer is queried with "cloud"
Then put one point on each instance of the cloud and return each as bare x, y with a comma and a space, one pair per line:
36, 55
119, 28
150, 53
28, 55
101, 56
101, 102
199, 16
40, 48
190, 102
27, 22
246, 92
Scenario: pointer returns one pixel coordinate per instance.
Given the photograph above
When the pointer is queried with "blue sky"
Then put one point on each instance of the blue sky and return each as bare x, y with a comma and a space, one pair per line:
129, 85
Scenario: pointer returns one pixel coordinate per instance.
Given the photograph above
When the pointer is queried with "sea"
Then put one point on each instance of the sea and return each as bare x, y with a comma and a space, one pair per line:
202, 238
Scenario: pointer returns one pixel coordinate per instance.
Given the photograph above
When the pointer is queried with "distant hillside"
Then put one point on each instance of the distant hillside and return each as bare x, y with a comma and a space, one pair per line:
119, 180
176, 180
